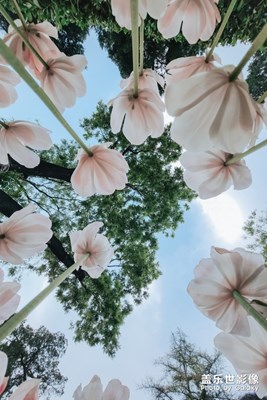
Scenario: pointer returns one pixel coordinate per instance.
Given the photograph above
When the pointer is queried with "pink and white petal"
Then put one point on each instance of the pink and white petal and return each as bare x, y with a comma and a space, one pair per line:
170, 23
94, 272
32, 135
27, 390
82, 179
93, 390
9, 307
121, 105
20, 153
47, 28
116, 391
156, 8
3, 367
193, 21
8, 95
240, 175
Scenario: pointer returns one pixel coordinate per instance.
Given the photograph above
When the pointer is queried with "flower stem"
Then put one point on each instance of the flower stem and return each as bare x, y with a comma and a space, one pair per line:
20, 15
22, 35
17, 318
18, 67
257, 43
250, 310
141, 43
238, 157
262, 97
221, 29
135, 49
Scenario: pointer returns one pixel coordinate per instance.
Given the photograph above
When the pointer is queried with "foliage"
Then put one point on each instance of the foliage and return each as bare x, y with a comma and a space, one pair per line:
257, 72
255, 230
182, 370
153, 202
35, 354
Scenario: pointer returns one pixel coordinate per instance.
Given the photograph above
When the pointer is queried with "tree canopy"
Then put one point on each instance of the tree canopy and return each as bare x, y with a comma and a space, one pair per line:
35, 354
153, 202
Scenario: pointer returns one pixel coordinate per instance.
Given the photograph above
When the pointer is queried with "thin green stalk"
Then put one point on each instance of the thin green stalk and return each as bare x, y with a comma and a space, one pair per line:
257, 43
20, 15
250, 310
238, 157
135, 44
17, 318
221, 29
18, 67
262, 97
141, 44
23, 36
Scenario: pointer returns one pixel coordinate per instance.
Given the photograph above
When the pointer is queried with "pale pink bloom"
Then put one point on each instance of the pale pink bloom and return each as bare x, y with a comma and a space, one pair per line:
184, 67
207, 173
9, 299
17, 137
148, 80
211, 111
247, 354
102, 173
63, 81
141, 116
27, 390
8, 79
156, 8
24, 234
197, 17
3, 367
121, 9
88, 241
217, 277
38, 36
94, 391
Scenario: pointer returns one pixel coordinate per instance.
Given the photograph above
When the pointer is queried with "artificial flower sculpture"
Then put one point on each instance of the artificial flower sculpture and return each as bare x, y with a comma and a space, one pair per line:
207, 173
140, 115
102, 172
39, 37
217, 277
211, 110
247, 354
3, 367
63, 81
8, 79
89, 241
24, 234
196, 17
94, 391
17, 136
9, 301
184, 67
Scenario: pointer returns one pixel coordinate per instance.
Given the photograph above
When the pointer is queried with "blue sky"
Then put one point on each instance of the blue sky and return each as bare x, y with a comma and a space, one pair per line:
146, 333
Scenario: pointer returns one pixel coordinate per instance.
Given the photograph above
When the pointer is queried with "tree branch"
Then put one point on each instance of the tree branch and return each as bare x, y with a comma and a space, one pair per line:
44, 170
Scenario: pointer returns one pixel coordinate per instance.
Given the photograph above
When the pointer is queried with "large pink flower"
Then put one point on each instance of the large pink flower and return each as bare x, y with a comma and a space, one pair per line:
38, 36
27, 390
141, 116
197, 18
8, 79
23, 235
102, 173
88, 241
148, 80
247, 354
9, 299
3, 367
217, 277
94, 391
211, 111
207, 173
15, 136
184, 67
63, 81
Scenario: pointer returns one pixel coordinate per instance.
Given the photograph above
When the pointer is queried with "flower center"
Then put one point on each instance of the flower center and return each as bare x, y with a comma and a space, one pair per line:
2, 236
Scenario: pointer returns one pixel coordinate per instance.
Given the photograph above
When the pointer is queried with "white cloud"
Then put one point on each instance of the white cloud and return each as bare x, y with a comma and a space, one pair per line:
225, 215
